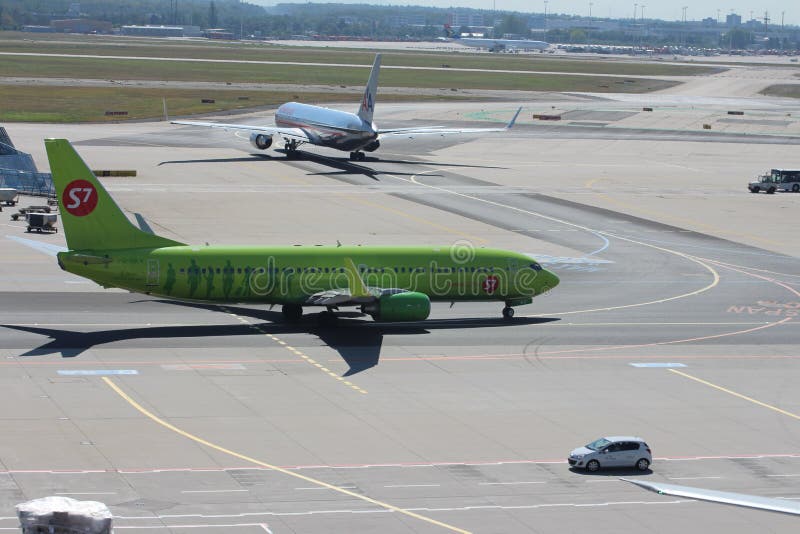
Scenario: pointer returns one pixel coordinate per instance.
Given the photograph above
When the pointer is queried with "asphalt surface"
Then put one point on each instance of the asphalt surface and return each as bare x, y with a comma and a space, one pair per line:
225, 419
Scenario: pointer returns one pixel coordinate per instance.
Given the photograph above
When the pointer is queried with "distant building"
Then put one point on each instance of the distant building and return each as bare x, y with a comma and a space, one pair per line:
733, 20
38, 29
81, 26
457, 19
407, 20
153, 31
74, 10
218, 33
709, 21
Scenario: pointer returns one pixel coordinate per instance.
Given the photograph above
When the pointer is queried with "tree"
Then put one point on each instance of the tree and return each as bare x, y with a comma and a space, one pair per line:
577, 36
737, 38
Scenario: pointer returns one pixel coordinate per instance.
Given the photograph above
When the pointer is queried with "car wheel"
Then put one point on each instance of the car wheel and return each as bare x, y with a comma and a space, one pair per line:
796, 188
755, 189
643, 464
771, 190
593, 466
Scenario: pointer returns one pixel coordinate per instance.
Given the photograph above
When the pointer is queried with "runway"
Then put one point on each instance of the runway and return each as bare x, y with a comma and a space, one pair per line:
666, 325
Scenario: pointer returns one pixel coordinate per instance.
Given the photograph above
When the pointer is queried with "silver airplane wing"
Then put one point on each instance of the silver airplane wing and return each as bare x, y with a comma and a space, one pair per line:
737, 499
440, 130
291, 133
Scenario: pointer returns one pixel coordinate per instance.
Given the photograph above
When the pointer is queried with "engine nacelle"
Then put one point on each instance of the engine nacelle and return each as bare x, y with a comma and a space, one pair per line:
372, 147
260, 141
407, 306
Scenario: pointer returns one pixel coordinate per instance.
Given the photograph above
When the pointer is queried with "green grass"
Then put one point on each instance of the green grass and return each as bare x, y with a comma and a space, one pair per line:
12, 42
115, 69
785, 90
89, 104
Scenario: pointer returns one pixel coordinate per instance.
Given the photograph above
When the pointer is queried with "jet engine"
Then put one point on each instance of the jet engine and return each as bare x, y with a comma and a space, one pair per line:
405, 306
260, 141
372, 147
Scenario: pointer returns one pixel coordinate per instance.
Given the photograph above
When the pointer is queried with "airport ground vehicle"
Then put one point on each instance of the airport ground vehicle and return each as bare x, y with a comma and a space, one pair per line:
42, 222
612, 451
776, 180
8, 196
25, 212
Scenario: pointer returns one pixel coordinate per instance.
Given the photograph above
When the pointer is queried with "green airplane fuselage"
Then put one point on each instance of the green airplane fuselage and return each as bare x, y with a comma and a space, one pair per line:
289, 274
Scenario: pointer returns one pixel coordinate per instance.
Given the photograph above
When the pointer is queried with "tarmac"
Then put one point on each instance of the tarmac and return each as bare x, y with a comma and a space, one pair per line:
675, 320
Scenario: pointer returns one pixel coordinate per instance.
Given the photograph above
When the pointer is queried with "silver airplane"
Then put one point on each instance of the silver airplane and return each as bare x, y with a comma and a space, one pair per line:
354, 132
495, 45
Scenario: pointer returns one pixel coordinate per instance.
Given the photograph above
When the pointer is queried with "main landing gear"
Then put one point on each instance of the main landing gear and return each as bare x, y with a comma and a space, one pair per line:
357, 156
508, 313
291, 148
292, 312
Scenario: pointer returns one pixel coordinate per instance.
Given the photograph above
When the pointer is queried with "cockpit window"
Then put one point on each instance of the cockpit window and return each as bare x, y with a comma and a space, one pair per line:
536, 267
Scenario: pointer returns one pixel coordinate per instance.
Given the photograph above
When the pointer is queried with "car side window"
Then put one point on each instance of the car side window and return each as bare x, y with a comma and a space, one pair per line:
630, 446
614, 447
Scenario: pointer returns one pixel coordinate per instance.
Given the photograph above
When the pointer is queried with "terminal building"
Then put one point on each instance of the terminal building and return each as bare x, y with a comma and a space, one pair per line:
18, 171
162, 31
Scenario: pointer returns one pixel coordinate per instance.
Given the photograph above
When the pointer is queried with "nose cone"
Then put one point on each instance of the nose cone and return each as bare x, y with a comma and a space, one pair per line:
548, 281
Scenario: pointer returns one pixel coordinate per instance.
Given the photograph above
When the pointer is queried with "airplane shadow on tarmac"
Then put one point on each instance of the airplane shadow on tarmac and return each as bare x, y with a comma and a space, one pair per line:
357, 341
343, 165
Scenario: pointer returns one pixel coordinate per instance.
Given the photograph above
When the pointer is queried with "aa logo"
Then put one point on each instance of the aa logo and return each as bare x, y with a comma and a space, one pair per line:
490, 284
79, 198
367, 104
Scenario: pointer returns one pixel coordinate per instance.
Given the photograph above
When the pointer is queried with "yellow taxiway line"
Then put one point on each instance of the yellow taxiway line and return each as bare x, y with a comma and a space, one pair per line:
300, 476
739, 395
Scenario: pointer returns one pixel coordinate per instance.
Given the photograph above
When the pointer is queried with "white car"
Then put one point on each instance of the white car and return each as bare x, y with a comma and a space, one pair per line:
612, 451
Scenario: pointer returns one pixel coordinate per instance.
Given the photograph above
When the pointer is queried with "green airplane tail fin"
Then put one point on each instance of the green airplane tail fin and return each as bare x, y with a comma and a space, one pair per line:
90, 217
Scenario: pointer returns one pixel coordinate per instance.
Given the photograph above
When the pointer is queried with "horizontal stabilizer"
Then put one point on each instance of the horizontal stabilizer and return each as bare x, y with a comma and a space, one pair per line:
45, 248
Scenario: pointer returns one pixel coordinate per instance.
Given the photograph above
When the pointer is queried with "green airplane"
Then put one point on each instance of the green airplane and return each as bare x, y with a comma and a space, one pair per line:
389, 283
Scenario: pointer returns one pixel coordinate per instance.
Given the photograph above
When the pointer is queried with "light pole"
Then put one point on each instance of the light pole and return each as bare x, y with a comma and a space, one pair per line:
589, 27
683, 37
634, 12
644, 28
545, 20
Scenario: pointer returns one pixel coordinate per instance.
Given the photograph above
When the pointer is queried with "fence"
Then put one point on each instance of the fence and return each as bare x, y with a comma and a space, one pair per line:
38, 184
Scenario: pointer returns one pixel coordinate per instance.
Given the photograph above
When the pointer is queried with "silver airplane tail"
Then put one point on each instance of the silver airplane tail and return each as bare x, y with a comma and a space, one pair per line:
368, 102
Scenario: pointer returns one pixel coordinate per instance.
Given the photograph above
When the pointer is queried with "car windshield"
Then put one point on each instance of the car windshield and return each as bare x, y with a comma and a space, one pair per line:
598, 444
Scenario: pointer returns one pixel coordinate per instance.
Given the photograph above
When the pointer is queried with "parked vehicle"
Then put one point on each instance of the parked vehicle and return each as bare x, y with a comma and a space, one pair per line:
42, 222
8, 196
612, 451
776, 180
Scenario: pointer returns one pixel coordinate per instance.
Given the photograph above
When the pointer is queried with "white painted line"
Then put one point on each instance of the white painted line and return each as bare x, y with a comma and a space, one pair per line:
90, 493
216, 526
318, 488
214, 491
413, 486
690, 478
384, 511
510, 483
797, 475
606, 480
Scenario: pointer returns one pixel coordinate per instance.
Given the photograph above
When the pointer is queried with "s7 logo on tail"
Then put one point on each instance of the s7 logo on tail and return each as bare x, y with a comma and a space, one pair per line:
79, 198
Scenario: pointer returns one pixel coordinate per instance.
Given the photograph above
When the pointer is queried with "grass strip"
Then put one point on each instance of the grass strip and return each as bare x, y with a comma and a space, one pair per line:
68, 104
264, 51
116, 69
